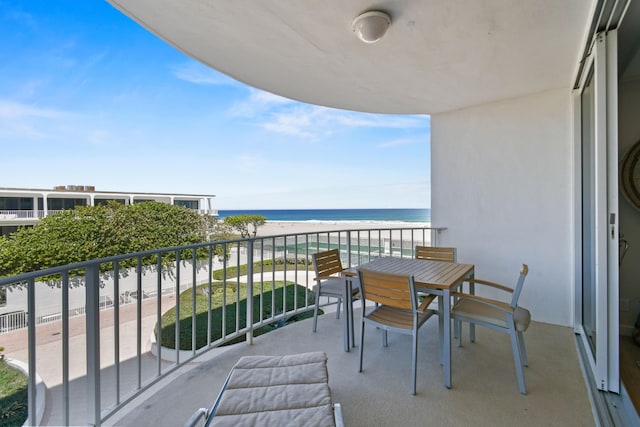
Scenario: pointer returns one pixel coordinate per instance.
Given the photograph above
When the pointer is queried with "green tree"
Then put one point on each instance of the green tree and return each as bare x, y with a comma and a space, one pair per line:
90, 232
216, 229
241, 223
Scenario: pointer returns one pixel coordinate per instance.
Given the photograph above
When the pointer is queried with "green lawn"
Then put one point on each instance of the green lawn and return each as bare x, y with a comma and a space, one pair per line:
13, 396
266, 265
202, 306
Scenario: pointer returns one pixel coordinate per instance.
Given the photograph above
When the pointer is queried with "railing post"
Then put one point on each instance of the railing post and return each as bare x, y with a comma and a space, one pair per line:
139, 320
250, 290
31, 337
65, 347
92, 317
348, 248
194, 334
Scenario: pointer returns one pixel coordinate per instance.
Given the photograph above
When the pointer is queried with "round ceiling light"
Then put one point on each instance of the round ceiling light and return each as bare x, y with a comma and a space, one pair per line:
371, 26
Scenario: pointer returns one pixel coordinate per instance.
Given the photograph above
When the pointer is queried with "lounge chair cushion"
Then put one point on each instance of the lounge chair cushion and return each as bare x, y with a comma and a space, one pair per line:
277, 391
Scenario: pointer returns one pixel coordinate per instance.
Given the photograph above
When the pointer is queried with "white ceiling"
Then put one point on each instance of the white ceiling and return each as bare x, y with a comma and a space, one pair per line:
438, 55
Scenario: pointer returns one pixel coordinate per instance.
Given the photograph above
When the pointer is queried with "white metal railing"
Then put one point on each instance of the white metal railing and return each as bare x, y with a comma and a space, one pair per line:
212, 212
15, 320
25, 214
110, 288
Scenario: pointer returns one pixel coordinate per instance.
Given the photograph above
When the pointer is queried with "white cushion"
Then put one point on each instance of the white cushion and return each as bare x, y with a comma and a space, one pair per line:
277, 391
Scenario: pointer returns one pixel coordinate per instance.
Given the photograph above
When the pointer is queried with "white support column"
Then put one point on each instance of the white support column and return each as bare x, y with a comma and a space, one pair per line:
45, 203
35, 207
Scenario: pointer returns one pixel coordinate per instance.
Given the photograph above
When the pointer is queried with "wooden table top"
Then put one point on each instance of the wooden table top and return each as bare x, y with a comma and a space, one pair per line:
428, 274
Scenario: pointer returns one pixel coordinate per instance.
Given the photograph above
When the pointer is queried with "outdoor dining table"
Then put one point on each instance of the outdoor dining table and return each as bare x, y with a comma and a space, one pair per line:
434, 277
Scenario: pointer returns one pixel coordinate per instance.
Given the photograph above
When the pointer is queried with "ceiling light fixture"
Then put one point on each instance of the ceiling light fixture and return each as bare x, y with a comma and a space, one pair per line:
371, 26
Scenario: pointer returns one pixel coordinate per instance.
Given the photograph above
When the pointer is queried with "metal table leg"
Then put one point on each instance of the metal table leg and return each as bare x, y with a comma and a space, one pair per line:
346, 312
447, 337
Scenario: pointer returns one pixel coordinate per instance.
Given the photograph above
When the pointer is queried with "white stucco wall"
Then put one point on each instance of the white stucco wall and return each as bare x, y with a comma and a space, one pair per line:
628, 135
502, 182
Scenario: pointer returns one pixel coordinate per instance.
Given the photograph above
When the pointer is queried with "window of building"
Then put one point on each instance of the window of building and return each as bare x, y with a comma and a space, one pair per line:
104, 202
191, 204
59, 204
16, 203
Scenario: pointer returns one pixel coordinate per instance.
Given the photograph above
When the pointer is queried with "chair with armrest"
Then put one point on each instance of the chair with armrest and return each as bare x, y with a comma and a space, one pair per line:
433, 253
329, 282
508, 318
396, 309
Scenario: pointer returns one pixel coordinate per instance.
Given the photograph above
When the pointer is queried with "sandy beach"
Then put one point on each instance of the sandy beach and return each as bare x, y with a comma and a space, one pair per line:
272, 228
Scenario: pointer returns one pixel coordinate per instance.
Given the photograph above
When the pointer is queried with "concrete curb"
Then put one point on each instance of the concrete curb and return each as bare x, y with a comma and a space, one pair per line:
168, 354
40, 389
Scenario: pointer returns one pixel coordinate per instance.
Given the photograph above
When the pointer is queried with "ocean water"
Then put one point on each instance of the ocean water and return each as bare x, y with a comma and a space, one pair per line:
337, 215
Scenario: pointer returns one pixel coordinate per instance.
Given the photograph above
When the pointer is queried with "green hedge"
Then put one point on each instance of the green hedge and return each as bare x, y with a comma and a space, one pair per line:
265, 266
13, 396
202, 307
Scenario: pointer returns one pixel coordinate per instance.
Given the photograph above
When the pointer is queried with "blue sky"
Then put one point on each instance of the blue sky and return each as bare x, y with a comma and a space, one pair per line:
89, 97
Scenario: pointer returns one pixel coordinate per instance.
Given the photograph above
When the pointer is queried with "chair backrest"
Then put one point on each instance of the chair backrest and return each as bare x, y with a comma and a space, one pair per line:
516, 292
394, 290
433, 253
327, 263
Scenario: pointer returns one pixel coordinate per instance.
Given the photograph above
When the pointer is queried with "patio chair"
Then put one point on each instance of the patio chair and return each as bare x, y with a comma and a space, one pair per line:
397, 309
330, 282
433, 253
508, 318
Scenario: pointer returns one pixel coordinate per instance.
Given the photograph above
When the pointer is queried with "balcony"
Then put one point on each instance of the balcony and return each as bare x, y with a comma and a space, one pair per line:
9, 215
97, 362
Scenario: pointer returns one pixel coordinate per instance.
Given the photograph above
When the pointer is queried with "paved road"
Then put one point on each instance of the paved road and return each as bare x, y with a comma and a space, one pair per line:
49, 356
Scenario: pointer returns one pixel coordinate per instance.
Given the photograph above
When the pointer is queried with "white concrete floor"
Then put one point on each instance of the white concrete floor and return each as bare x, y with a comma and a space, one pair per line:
484, 391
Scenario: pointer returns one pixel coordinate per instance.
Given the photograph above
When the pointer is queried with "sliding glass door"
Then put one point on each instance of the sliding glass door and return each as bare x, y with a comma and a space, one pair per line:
597, 284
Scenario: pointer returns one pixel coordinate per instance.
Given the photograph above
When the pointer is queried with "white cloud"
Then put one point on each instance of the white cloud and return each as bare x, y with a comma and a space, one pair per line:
249, 162
28, 121
258, 103
398, 142
99, 136
314, 121
277, 114
10, 110
197, 73
351, 119
268, 98
298, 122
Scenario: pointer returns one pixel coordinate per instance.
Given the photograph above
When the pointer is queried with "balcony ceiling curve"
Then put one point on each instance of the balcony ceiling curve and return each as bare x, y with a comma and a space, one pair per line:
436, 56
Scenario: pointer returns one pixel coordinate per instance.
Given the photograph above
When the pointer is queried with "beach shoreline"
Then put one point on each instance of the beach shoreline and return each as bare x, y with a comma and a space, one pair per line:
276, 228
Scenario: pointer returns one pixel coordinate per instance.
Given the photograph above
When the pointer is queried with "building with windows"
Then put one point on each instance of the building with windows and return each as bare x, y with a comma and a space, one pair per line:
25, 206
